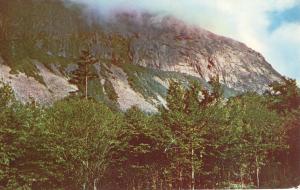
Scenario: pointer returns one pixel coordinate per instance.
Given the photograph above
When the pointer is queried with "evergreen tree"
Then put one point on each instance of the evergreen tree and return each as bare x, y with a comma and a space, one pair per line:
174, 119
216, 92
83, 73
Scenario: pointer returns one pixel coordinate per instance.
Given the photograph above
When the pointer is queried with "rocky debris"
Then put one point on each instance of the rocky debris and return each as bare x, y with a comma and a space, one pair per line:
28, 88
127, 97
162, 82
57, 84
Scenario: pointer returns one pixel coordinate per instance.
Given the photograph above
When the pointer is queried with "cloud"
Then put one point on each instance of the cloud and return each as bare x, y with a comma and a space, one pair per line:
284, 51
243, 20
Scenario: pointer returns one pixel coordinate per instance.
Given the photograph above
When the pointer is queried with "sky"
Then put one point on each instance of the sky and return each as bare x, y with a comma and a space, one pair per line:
271, 27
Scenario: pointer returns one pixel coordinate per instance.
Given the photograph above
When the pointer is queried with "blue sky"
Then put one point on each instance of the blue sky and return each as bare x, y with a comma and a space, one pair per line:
271, 27
288, 49
289, 15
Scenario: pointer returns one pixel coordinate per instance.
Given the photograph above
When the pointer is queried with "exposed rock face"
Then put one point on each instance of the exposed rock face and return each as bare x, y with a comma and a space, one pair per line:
43, 38
27, 88
24, 87
171, 45
127, 97
56, 83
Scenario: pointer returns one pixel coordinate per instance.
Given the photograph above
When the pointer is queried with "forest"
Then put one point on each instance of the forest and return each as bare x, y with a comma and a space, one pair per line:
199, 140
204, 137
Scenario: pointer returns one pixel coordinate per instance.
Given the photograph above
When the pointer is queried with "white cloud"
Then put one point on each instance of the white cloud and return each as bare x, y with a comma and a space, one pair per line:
244, 20
249, 21
284, 51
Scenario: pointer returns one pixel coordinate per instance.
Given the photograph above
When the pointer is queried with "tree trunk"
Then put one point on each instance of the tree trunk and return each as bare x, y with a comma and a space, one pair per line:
86, 87
193, 171
241, 177
257, 177
180, 179
95, 184
155, 180
257, 172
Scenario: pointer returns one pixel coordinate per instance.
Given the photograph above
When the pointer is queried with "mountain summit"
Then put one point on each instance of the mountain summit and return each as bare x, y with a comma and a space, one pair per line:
40, 42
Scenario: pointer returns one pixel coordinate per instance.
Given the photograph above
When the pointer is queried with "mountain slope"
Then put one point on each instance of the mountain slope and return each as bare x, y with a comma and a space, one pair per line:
137, 52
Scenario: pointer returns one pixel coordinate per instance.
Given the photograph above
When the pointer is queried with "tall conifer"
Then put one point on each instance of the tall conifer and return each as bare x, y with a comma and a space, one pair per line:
83, 74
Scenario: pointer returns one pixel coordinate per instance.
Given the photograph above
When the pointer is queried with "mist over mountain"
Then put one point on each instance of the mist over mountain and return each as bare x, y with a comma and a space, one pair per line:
125, 94
138, 52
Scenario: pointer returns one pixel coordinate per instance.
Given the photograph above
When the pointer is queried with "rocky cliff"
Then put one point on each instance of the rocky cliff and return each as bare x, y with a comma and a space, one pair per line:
138, 52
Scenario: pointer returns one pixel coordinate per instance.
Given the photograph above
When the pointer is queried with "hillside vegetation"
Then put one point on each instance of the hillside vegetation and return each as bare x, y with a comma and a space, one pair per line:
248, 141
138, 102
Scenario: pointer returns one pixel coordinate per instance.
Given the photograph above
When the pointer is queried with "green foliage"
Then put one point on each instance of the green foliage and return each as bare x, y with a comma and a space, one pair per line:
26, 160
57, 147
138, 151
286, 95
256, 132
84, 129
83, 73
284, 98
190, 123
142, 80
198, 141
110, 91
25, 37
6, 95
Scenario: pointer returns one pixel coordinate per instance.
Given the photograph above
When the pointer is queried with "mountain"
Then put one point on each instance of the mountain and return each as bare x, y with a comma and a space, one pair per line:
41, 40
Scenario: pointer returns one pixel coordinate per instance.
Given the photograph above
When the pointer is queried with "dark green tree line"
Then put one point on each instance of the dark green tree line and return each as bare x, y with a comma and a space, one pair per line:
200, 140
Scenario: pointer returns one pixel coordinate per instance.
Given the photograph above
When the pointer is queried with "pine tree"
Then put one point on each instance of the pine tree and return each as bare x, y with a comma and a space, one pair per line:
216, 92
83, 74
